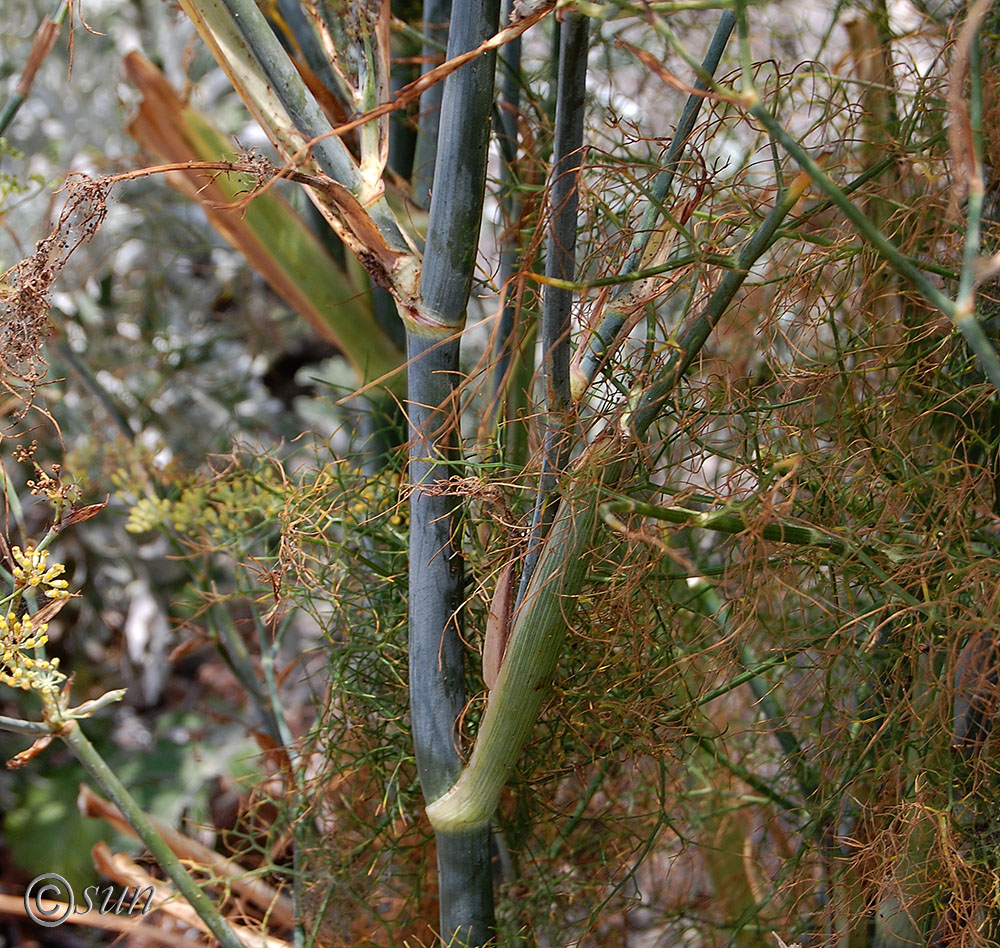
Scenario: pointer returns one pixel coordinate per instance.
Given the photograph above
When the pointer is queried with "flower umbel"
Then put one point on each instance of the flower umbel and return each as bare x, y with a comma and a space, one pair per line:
21, 662
32, 571
23, 637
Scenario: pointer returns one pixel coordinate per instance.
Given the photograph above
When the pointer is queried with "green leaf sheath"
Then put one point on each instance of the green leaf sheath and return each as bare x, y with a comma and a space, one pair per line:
532, 652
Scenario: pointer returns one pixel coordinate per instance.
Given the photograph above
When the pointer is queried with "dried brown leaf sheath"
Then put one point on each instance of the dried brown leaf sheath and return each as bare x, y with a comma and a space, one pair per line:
498, 625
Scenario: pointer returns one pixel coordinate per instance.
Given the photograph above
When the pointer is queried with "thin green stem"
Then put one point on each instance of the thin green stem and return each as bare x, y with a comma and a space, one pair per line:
759, 784
885, 247
116, 791
726, 521
774, 715
27, 728
600, 342
976, 188
743, 32
581, 807
761, 667
674, 263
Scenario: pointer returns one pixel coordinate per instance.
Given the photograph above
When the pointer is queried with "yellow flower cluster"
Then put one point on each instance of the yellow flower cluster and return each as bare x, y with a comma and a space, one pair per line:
234, 506
147, 514
33, 571
218, 510
18, 668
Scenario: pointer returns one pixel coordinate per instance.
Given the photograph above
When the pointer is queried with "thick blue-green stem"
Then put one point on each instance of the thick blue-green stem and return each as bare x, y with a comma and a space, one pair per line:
436, 14
436, 594
560, 264
456, 208
437, 670
437, 655
510, 249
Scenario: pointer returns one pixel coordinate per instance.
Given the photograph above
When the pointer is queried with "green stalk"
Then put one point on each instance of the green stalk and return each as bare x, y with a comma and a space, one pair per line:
87, 754
727, 522
437, 588
402, 128
604, 337
972, 708
581, 807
